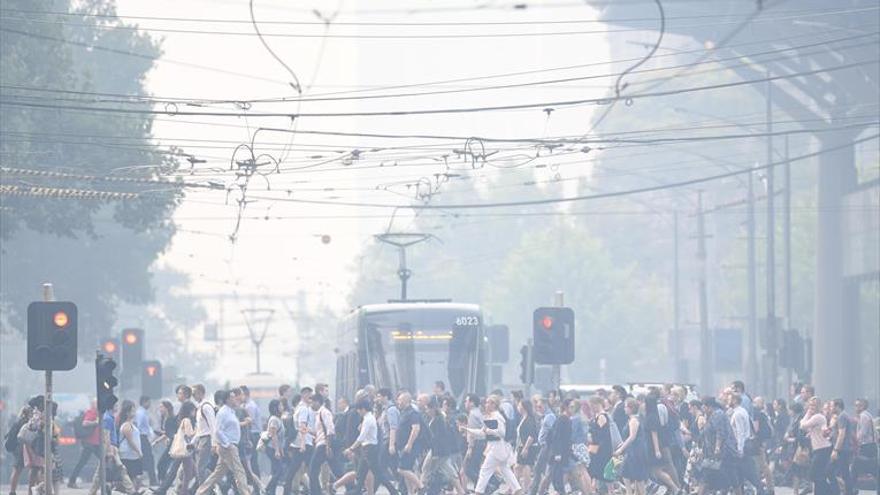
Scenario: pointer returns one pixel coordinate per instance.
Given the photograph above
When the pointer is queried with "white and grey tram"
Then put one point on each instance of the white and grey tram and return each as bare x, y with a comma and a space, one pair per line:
411, 345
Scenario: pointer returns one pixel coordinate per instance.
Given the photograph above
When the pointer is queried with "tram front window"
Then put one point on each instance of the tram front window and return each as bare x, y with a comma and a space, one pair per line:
412, 349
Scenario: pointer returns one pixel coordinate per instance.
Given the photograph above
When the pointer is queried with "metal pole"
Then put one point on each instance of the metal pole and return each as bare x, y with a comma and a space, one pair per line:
258, 357
751, 355
678, 369
403, 273
772, 372
48, 419
102, 447
705, 340
786, 223
559, 302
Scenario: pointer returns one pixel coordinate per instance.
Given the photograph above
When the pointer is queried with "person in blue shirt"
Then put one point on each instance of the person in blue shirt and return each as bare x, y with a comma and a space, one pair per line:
227, 433
142, 422
110, 440
542, 408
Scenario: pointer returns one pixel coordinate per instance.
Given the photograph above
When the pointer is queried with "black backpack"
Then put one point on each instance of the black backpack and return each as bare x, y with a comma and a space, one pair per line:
10, 441
81, 431
509, 429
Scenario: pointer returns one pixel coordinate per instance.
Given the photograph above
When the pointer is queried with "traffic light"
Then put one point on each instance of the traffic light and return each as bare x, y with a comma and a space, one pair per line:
553, 335
105, 382
526, 365
51, 336
132, 356
110, 348
151, 379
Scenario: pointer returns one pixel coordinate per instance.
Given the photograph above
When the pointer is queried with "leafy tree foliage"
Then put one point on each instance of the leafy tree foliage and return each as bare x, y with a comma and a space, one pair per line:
97, 253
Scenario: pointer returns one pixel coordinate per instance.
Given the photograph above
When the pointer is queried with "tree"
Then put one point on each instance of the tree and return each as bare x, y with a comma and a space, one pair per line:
97, 252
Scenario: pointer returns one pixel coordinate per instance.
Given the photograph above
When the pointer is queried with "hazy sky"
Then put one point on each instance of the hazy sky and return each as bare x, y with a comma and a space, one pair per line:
282, 256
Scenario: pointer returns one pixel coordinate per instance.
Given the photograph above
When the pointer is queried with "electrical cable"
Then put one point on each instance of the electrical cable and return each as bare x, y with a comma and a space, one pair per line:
454, 110
538, 202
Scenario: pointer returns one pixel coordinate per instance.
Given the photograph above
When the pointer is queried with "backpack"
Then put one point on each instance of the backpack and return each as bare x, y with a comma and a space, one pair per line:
81, 431
10, 441
509, 429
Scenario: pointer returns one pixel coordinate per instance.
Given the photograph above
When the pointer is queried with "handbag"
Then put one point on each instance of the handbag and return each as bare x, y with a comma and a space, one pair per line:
801, 456
178, 448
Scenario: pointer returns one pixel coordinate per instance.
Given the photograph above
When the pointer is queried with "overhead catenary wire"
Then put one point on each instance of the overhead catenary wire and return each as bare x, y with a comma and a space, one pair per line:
579, 198
701, 50
799, 12
121, 99
453, 110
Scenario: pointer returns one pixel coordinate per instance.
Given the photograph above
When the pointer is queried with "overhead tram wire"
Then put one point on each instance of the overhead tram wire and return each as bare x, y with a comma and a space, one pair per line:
158, 100
529, 141
798, 12
454, 110
427, 83
179, 63
403, 36
589, 197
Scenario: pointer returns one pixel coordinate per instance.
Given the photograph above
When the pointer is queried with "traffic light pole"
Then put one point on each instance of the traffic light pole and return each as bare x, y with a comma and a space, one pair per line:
48, 419
556, 370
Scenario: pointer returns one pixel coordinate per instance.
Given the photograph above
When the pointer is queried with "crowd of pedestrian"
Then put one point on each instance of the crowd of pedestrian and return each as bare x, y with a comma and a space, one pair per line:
663, 438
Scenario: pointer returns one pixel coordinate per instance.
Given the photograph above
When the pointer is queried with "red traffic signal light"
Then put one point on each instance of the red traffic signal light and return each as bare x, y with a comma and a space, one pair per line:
547, 322
51, 335
151, 379
130, 337
110, 347
61, 319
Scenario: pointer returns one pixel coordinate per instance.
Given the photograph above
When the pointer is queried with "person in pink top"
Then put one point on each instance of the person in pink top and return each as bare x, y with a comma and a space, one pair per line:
815, 425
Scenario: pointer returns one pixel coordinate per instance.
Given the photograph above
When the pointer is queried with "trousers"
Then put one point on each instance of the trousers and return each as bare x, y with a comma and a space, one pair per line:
497, 458
370, 464
228, 461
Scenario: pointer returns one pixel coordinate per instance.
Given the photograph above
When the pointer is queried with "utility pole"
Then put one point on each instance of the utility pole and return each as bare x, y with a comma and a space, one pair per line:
48, 418
786, 223
402, 241
678, 366
772, 371
705, 339
252, 318
751, 355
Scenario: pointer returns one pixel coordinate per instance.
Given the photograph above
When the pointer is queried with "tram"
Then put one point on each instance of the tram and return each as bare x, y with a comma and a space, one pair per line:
410, 345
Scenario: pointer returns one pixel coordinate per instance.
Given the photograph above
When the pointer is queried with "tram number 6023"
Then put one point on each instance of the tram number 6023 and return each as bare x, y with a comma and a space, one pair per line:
467, 321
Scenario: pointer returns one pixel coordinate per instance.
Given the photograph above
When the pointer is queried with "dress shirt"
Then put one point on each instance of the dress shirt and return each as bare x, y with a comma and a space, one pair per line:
227, 429
865, 432
302, 420
547, 423
369, 434
253, 411
142, 421
205, 419
742, 428
474, 421
325, 427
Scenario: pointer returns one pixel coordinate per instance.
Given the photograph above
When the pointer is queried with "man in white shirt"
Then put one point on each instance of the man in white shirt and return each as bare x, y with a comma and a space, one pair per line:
302, 448
742, 431
324, 435
866, 437
368, 440
254, 429
204, 436
226, 437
